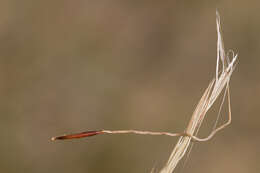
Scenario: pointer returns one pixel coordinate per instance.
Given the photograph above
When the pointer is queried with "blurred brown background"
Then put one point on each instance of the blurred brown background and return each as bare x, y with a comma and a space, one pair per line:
69, 66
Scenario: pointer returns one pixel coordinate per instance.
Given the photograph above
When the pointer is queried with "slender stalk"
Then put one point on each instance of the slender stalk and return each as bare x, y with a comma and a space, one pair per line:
221, 81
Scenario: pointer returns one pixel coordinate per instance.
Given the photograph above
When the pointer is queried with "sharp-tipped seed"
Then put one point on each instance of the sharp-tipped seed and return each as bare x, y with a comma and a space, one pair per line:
77, 135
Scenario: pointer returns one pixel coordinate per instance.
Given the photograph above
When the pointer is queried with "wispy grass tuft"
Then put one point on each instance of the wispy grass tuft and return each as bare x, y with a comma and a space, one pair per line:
212, 92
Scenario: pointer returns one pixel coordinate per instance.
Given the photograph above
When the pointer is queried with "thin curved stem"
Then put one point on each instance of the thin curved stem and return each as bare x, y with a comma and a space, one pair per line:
140, 132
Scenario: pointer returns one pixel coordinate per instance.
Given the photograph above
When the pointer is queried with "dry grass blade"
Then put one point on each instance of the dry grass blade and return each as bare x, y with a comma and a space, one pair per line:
221, 81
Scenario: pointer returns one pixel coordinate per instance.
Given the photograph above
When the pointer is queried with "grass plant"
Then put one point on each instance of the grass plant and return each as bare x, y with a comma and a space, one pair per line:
224, 68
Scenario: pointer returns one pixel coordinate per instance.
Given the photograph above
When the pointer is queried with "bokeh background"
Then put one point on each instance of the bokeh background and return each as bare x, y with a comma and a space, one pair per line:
70, 66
